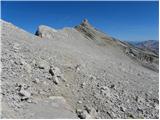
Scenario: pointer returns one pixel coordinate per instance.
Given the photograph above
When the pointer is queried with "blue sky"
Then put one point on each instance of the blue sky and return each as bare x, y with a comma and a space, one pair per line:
130, 21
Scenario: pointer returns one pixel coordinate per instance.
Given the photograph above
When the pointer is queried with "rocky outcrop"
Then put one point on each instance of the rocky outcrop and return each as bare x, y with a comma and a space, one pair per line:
92, 33
45, 32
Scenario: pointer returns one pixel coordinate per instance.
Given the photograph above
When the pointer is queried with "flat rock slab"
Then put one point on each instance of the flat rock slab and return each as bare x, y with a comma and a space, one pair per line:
50, 108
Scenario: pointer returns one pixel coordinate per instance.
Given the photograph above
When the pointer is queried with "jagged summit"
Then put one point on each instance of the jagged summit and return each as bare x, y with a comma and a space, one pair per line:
85, 22
90, 32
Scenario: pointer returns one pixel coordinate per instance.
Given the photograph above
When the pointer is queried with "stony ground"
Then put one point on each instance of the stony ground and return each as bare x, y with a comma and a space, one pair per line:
92, 80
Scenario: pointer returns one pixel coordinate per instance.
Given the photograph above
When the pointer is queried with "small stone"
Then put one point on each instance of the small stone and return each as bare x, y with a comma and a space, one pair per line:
104, 88
25, 94
81, 114
55, 71
83, 84
16, 46
67, 85
130, 115
20, 86
156, 106
36, 80
88, 109
51, 71
77, 67
105, 91
80, 102
28, 68
22, 62
55, 80
122, 108
29, 101
112, 86
62, 78
140, 99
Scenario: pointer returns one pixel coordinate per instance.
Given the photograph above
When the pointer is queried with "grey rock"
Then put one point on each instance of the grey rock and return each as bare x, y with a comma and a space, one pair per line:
83, 85
105, 91
112, 86
36, 80
122, 108
82, 114
25, 94
55, 71
67, 85
79, 102
87, 108
77, 67
55, 80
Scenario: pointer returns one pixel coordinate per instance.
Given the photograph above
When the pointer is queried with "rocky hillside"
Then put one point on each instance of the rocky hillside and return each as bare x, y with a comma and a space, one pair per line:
80, 71
146, 58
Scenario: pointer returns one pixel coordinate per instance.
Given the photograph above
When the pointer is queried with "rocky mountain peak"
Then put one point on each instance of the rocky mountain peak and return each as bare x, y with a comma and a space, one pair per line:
85, 22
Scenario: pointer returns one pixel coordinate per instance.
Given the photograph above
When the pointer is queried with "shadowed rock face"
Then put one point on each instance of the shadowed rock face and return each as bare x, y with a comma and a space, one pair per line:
97, 75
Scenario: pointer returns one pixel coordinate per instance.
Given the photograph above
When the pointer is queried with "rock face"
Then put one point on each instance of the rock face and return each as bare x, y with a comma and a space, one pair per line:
75, 73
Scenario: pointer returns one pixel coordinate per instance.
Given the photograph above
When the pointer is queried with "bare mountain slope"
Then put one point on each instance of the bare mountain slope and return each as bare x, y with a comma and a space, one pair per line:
146, 58
95, 76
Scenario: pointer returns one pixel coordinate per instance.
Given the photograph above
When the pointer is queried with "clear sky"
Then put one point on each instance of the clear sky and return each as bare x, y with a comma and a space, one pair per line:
130, 21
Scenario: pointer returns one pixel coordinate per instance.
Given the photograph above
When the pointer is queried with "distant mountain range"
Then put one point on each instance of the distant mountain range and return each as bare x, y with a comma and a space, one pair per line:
151, 45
